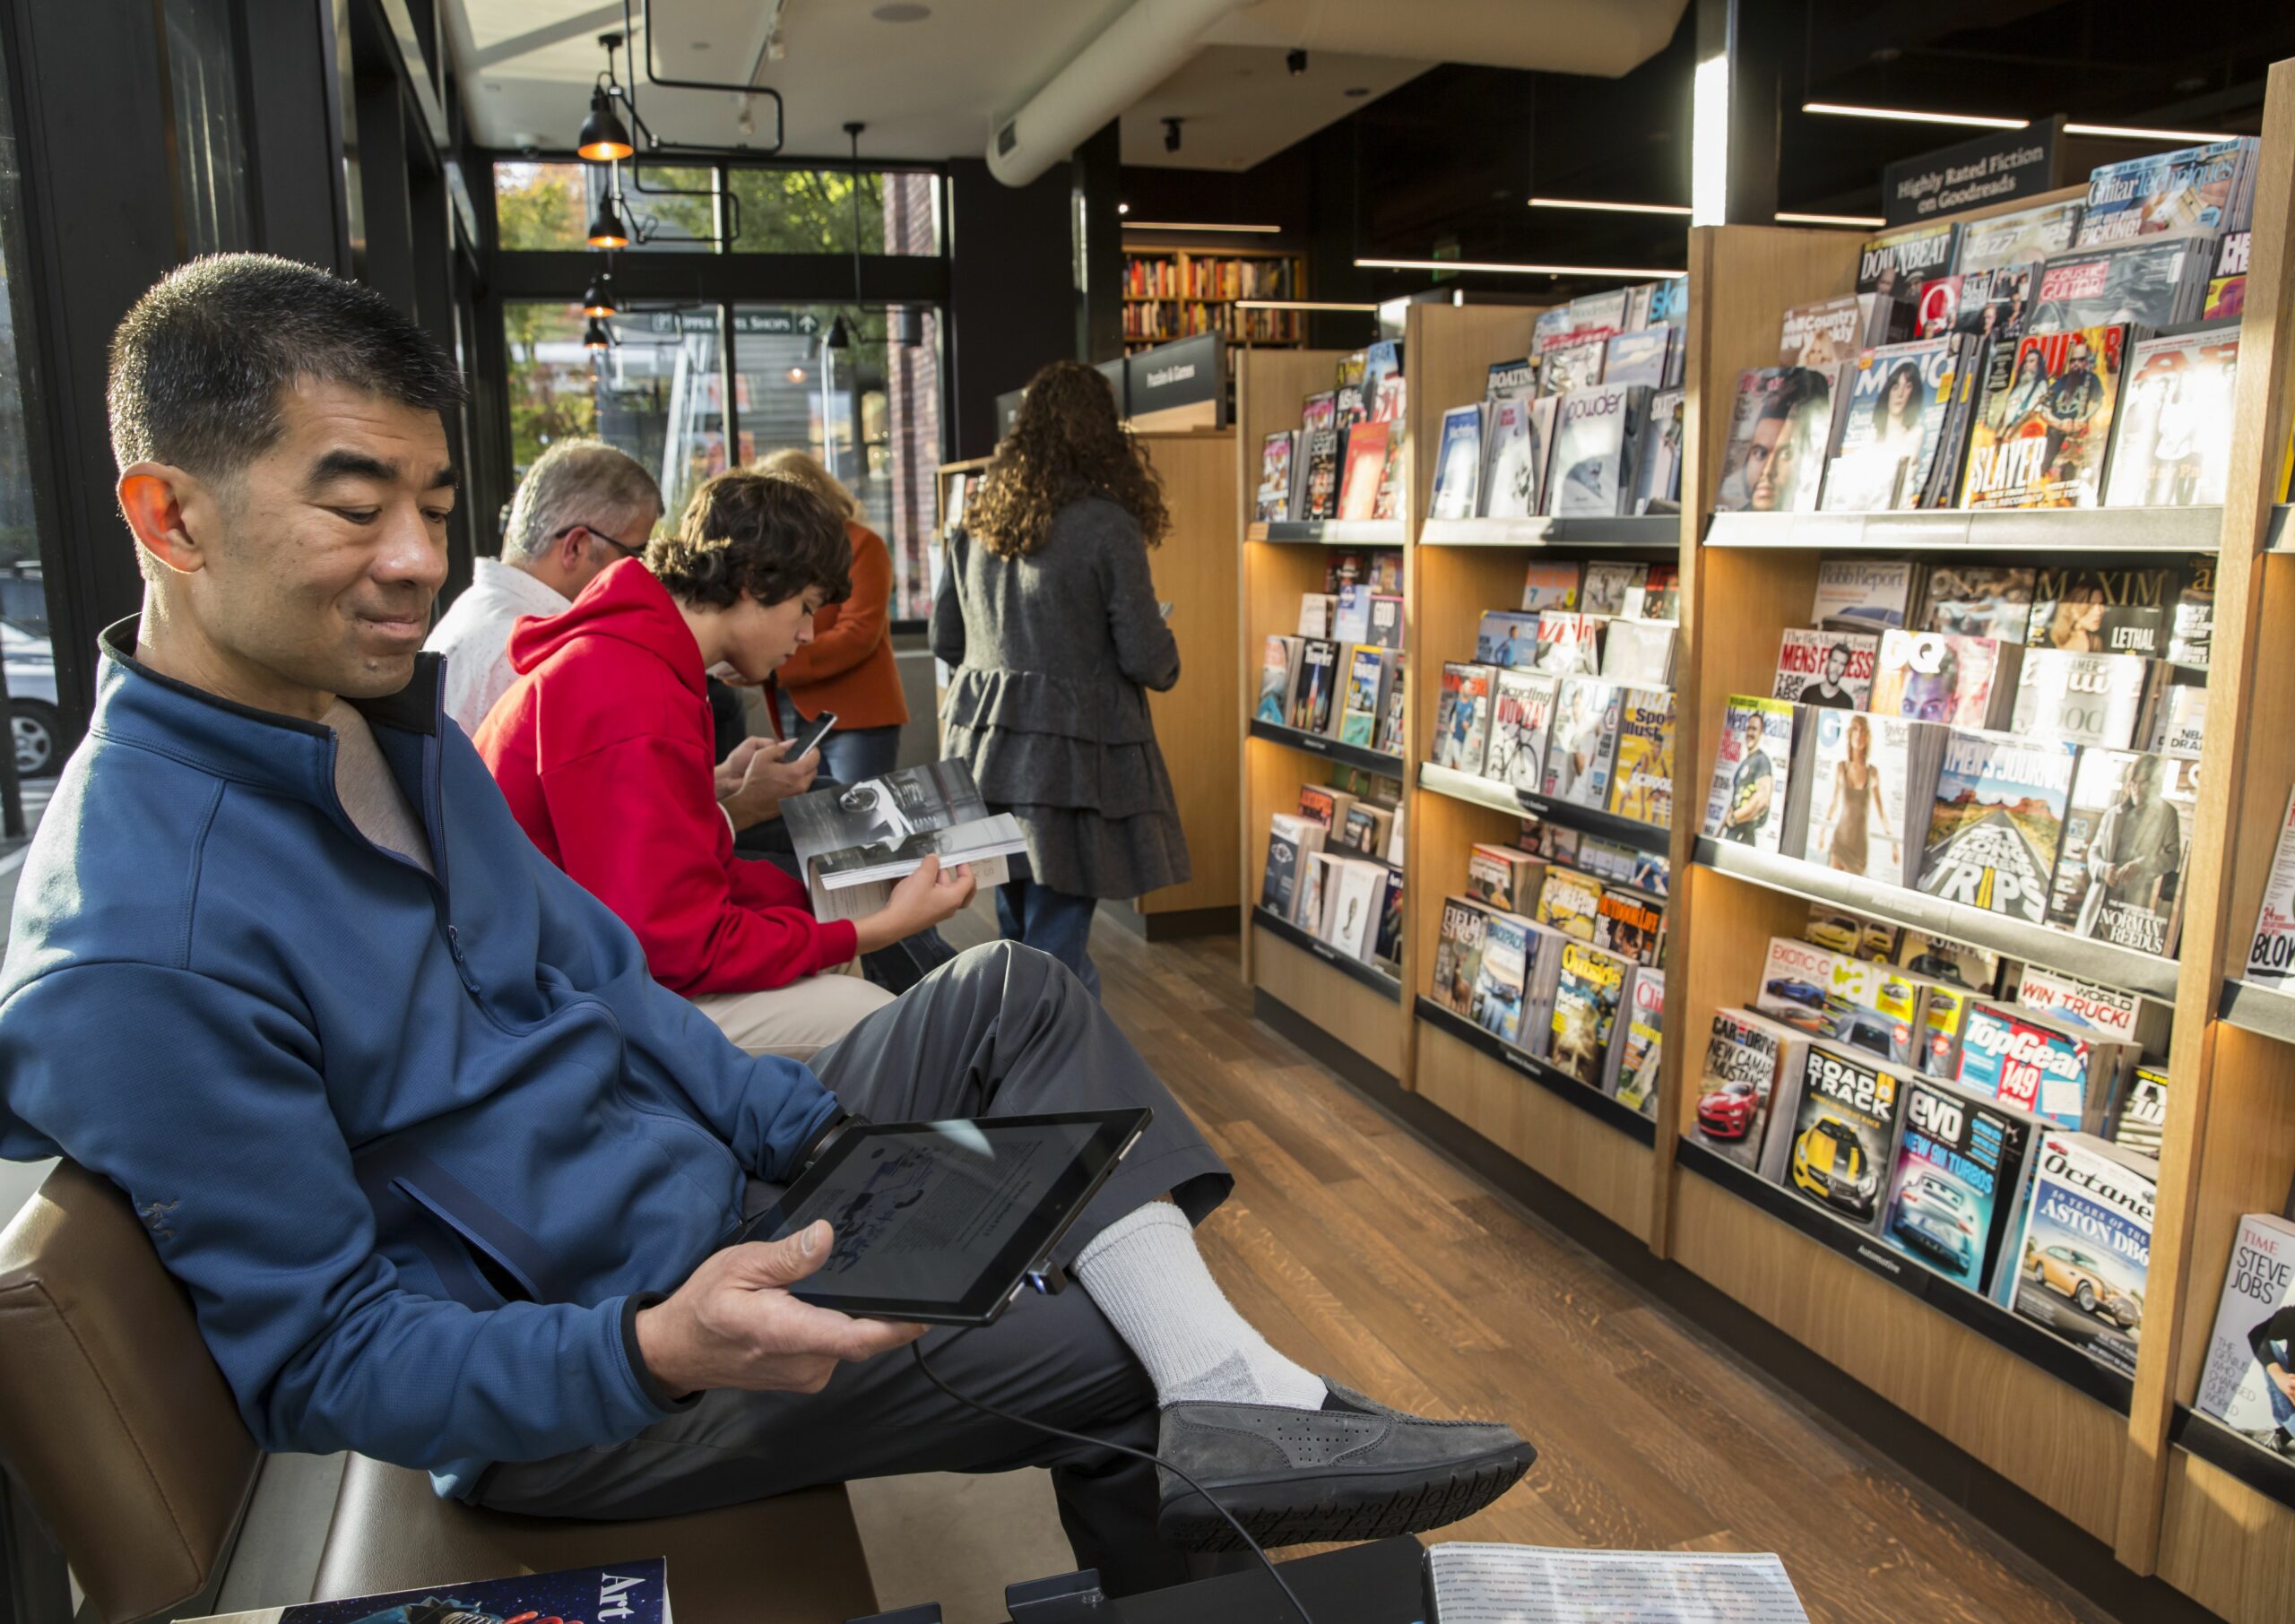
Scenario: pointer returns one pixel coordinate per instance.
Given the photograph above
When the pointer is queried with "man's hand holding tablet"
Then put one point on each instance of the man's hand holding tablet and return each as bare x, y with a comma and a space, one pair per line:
733, 1324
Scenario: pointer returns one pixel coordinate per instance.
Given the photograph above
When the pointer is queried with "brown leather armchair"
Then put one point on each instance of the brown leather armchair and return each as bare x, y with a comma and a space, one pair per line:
118, 1429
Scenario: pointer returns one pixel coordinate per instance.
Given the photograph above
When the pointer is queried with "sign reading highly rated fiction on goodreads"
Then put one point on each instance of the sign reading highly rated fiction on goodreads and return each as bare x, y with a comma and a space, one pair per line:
1989, 169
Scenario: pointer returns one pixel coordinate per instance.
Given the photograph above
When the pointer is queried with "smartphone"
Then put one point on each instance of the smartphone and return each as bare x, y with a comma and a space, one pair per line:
809, 735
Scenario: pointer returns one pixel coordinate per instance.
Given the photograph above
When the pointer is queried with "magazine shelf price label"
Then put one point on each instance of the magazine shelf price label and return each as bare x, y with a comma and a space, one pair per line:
2263, 1010
1377, 979
1587, 1098
2219, 1447
1647, 529
2100, 530
1322, 744
2122, 967
1332, 532
2028, 1342
1586, 820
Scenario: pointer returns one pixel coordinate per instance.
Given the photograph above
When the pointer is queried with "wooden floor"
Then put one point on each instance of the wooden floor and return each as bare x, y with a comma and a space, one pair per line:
1369, 1256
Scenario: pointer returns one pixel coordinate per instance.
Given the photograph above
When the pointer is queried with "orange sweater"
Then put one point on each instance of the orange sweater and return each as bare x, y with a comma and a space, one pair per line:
848, 667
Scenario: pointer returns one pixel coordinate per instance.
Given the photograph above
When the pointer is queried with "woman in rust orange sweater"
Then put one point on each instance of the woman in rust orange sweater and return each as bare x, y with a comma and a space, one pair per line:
848, 667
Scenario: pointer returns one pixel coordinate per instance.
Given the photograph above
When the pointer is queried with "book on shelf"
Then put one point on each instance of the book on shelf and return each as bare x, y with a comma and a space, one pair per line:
1364, 831
1843, 1125
1569, 643
1549, 583
2209, 187
1326, 805
1996, 823
1977, 600
1864, 595
1458, 953
634, 1592
1365, 455
1569, 902
1504, 877
1522, 705
1318, 612
2063, 1073
2041, 437
1507, 637
1475, 1584
1965, 682
1292, 842
1597, 430
1274, 498
855, 842
1630, 1067
2127, 835
1745, 802
2083, 1258
1586, 999
1382, 626
1954, 1174
1606, 585
1319, 498
1356, 899
1462, 717
1318, 676
1279, 679
2102, 612
1871, 778
2156, 281
1364, 697
1893, 424
1832, 670
1751, 1061
1582, 742
1630, 924
1894, 263
2172, 438
1457, 465
2090, 699
2017, 238
2248, 1381
1658, 460
1641, 779
1519, 436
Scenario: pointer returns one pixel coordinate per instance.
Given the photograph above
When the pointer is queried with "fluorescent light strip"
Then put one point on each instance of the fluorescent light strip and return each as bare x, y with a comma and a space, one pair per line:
1977, 120
1294, 304
1786, 218
1163, 225
1608, 208
1470, 265
2129, 132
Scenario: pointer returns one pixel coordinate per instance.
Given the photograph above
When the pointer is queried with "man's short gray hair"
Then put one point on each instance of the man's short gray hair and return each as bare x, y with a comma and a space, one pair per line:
579, 482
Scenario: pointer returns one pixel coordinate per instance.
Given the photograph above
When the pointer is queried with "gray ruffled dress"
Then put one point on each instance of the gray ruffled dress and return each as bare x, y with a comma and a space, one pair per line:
1052, 656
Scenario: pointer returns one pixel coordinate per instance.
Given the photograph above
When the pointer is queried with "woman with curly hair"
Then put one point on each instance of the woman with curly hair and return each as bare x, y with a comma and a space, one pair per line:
1047, 613
604, 749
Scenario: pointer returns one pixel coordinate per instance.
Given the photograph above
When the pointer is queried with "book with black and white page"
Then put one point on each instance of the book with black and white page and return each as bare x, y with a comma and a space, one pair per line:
854, 843
1476, 1583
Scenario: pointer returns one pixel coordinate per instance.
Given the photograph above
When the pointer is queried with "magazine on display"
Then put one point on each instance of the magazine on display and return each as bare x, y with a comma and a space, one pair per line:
1745, 801
1504, 877
1389, 503
2085, 1257
1606, 585
1640, 651
1570, 902
1570, 368
2207, 188
625, 1593
1630, 924
1350, 621
2191, 624
1357, 900
1502, 975
1896, 263
2126, 832
2143, 1118
2251, 1350
855, 842
1638, 357
1319, 496
1386, 622
1630, 1068
1569, 644
1329, 805
1868, 774
1892, 419
1658, 460
1549, 583
1457, 465
2172, 441
2040, 439
1366, 465
1514, 476
1365, 832
2090, 699
1781, 426
1292, 842
1836, 1145
1382, 385
1319, 676
2227, 289
2018, 238
1458, 953
1596, 434
2044, 1066
2102, 612
1966, 682
1389, 739
1864, 595
1825, 334
1796, 981
1959, 1161
1996, 823
1462, 717
1509, 381
1276, 454
1507, 637
1752, 1065
1586, 1000
1581, 742
1278, 675
2089, 1006
1977, 600
1641, 785
2158, 281
1364, 698
1522, 705
2270, 954
1657, 596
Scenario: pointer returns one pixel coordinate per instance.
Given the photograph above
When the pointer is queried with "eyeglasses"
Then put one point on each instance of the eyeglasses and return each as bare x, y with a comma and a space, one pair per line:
623, 548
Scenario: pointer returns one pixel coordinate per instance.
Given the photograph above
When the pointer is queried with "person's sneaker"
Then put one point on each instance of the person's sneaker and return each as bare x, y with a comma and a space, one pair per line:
1353, 1469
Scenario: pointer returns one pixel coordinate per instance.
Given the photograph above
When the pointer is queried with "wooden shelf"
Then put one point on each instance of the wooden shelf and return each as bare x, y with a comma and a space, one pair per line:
1662, 531
2121, 967
1320, 744
2277, 539
1586, 1097
1329, 532
1354, 970
2268, 1474
2260, 1009
2028, 1342
2098, 530
1647, 838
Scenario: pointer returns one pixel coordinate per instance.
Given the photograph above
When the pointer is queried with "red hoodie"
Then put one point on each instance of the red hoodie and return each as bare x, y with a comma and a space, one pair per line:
603, 749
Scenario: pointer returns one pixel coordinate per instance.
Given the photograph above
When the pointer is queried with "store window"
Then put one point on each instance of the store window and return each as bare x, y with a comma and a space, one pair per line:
548, 206
209, 155
811, 211
29, 656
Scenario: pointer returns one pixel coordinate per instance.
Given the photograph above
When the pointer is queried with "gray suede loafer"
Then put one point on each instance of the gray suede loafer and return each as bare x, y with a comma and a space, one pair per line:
1354, 1469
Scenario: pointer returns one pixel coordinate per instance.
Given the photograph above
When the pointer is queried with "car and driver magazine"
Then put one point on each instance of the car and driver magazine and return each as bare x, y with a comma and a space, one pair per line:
2084, 1252
1957, 1168
855, 842
1752, 1077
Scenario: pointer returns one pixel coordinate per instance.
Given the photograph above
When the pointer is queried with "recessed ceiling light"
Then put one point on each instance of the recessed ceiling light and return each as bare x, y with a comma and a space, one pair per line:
1905, 116
1165, 225
1470, 265
902, 14
1123, 207
1606, 207
1786, 217
2136, 132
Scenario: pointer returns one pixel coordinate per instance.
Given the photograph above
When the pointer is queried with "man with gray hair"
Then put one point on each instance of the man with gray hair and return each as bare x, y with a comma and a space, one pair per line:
582, 506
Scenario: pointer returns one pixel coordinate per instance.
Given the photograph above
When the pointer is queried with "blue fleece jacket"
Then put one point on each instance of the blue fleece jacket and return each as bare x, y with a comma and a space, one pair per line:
418, 1148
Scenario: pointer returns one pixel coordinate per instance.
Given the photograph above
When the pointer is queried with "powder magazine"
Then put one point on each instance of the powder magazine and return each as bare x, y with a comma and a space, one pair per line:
1997, 822
1594, 445
2041, 439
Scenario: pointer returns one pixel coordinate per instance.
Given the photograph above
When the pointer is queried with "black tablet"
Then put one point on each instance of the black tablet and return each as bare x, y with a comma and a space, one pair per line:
941, 1223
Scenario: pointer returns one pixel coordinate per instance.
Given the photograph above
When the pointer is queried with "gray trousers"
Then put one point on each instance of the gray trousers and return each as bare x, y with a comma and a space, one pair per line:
1002, 1031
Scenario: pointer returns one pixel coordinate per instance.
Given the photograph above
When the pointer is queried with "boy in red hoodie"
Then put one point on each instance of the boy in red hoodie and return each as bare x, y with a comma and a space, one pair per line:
603, 749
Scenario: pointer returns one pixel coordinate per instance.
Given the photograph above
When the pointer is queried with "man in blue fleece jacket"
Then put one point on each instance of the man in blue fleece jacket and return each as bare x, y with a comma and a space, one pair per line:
448, 1178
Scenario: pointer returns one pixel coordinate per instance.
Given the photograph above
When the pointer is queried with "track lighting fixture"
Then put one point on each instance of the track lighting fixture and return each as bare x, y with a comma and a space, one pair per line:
599, 300
1296, 62
839, 337
606, 229
604, 138
597, 336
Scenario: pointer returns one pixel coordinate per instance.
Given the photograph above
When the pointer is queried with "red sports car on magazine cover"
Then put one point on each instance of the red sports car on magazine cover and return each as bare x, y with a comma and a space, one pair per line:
1727, 1111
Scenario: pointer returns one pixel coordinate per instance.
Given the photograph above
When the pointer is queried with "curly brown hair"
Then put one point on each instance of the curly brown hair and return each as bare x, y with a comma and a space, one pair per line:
754, 533
1066, 445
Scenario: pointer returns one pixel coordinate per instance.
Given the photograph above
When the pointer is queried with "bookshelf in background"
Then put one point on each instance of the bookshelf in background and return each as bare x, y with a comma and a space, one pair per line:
1176, 293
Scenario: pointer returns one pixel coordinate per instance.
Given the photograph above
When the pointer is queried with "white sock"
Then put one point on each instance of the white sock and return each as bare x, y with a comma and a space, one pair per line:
1146, 1275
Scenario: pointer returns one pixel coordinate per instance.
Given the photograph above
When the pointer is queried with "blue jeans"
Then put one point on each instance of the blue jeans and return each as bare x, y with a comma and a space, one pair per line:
1052, 920
850, 755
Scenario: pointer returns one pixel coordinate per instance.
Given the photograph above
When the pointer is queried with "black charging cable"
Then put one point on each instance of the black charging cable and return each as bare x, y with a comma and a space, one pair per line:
917, 1350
